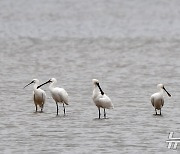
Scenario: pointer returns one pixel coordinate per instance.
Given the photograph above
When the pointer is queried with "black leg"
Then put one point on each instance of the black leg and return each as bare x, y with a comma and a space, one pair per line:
104, 113
42, 107
57, 107
99, 113
36, 107
160, 111
156, 111
35, 102
64, 109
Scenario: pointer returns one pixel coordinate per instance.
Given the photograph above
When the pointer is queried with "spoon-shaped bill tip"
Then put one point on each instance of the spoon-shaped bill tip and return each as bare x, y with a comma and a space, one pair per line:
167, 92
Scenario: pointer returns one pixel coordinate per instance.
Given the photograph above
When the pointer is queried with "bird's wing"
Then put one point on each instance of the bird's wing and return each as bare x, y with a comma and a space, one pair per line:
64, 95
152, 101
106, 101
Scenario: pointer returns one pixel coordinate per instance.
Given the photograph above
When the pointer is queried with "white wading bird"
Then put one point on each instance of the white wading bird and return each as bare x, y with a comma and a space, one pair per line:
58, 94
157, 99
100, 99
39, 95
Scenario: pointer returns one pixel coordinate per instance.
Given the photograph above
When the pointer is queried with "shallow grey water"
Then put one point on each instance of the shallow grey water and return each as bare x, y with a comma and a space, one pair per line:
130, 46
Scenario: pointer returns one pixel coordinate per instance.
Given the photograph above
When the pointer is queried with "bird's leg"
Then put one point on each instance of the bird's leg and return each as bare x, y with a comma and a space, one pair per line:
36, 107
35, 102
57, 107
99, 112
160, 111
42, 107
156, 111
104, 113
64, 109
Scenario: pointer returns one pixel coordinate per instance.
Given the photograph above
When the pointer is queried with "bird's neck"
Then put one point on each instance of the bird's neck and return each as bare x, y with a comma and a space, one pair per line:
161, 91
95, 91
35, 86
51, 86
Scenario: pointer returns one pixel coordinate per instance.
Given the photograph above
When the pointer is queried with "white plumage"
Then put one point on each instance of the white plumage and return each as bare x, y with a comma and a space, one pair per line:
39, 95
100, 99
58, 94
157, 99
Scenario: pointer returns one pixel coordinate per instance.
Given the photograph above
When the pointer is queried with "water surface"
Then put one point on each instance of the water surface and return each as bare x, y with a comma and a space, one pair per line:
130, 46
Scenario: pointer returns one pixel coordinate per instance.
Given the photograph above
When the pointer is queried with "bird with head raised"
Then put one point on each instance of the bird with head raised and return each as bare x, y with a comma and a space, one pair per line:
157, 99
58, 94
39, 95
100, 99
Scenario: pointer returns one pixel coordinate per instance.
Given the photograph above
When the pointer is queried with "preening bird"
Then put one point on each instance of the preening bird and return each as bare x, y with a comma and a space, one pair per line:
100, 99
58, 94
157, 99
39, 95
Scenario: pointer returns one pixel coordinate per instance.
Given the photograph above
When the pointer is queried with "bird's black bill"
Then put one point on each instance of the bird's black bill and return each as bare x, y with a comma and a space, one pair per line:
28, 84
43, 84
167, 92
102, 93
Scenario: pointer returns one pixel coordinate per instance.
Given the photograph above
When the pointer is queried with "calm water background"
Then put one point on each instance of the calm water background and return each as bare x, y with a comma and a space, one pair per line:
130, 46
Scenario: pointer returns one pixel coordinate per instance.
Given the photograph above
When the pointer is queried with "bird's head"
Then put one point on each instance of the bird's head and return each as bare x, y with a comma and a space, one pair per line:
95, 81
33, 81
52, 80
161, 86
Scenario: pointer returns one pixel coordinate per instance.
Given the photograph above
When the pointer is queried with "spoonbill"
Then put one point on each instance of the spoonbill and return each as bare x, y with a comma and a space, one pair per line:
157, 99
39, 95
100, 99
58, 94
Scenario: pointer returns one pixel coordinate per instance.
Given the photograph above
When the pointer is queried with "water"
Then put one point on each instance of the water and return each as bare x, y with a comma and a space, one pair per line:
130, 46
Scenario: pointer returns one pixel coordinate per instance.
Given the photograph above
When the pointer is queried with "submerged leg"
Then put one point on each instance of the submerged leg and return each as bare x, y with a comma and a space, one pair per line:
99, 112
64, 109
57, 107
104, 113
